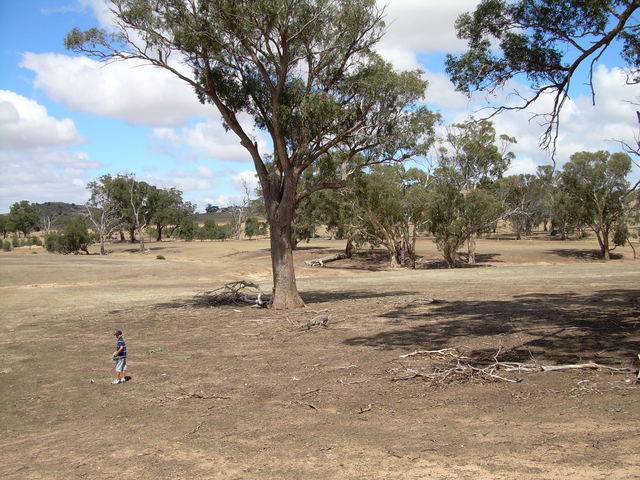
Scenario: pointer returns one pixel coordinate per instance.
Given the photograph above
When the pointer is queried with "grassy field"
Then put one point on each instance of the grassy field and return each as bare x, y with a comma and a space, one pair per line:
243, 393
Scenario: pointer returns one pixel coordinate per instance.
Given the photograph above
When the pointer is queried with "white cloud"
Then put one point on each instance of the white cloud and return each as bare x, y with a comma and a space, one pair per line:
26, 125
248, 179
131, 91
424, 26
208, 140
54, 176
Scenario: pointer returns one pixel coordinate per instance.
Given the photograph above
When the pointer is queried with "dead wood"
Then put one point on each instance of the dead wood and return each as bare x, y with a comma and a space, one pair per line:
463, 369
319, 262
366, 409
318, 321
195, 429
239, 292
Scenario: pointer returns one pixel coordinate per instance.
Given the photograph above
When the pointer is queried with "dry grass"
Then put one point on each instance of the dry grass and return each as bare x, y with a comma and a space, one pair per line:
243, 393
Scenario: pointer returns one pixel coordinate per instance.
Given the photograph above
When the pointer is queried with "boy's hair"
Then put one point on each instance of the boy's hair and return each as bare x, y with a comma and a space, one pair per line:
118, 332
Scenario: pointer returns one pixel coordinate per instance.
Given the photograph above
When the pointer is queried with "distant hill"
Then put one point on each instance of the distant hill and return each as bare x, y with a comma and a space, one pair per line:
55, 209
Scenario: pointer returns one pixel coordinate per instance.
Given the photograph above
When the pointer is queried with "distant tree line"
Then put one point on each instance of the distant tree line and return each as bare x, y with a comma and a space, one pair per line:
465, 195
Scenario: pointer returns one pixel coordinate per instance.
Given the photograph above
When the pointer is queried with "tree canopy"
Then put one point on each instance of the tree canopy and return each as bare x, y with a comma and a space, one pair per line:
546, 42
304, 71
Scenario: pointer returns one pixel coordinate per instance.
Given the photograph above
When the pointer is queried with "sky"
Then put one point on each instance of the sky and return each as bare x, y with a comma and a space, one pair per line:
65, 119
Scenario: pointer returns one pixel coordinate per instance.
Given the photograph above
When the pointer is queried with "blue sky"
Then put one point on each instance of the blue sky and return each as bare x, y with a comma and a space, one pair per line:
65, 120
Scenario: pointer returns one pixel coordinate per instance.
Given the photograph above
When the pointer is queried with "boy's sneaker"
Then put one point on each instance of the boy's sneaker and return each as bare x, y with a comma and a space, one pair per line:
115, 382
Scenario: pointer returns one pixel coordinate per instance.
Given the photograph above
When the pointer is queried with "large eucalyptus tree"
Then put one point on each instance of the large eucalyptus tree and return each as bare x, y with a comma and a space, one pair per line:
303, 70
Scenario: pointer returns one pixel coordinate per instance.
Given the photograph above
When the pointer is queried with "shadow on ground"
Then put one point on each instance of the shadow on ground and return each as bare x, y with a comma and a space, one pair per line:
309, 298
560, 328
581, 254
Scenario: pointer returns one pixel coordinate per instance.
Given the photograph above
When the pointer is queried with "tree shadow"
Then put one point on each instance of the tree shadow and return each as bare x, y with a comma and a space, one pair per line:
440, 263
310, 297
556, 328
579, 254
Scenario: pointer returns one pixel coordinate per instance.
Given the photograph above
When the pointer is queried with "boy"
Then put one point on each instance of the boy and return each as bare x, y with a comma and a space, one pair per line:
120, 357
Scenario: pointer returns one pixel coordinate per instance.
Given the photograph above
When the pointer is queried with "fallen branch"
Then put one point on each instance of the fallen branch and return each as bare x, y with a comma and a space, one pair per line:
444, 351
195, 429
464, 370
240, 292
366, 409
319, 262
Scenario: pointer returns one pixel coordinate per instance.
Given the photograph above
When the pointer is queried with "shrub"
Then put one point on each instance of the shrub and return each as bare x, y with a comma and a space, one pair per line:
15, 241
6, 246
187, 230
35, 241
160, 257
73, 238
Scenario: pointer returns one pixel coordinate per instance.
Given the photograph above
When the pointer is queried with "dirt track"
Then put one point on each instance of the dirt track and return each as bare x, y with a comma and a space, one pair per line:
240, 393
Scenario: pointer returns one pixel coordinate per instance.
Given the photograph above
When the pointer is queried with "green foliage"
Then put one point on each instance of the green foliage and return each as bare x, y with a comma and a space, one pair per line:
461, 204
187, 230
454, 216
523, 197
15, 241
73, 236
597, 187
305, 72
35, 241
5, 225
166, 207
388, 210
24, 217
544, 41
160, 257
254, 227
6, 246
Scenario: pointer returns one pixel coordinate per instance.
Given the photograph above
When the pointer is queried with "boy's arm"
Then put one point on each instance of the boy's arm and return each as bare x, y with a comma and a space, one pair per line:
118, 351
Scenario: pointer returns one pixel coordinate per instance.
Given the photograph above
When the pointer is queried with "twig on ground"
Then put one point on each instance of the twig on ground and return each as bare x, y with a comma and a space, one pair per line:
464, 369
195, 429
366, 409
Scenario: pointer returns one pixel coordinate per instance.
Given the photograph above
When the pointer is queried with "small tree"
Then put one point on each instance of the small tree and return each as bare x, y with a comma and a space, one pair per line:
596, 183
455, 216
103, 209
254, 227
73, 237
168, 208
472, 156
24, 217
187, 230
5, 225
389, 210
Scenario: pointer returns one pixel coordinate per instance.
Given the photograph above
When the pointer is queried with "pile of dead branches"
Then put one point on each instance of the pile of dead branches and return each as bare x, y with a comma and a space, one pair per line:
240, 292
450, 365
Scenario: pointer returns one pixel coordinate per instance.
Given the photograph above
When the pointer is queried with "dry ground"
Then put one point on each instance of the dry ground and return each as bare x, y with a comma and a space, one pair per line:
242, 393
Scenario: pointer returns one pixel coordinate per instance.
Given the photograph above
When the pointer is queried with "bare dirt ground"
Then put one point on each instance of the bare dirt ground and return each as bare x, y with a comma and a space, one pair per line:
245, 393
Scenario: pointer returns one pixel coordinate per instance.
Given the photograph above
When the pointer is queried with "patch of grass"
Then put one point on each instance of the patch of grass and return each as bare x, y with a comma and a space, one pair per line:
154, 350
160, 257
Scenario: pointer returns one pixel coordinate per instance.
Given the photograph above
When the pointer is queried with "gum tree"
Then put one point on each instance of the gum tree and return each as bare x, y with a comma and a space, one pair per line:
596, 184
302, 70
550, 43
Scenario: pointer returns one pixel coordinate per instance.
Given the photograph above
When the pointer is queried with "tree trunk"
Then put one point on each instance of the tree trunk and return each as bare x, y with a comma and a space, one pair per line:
103, 251
122, 239
132, 234
159, 228
348, 249
141, 234
285, 290
471, 248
